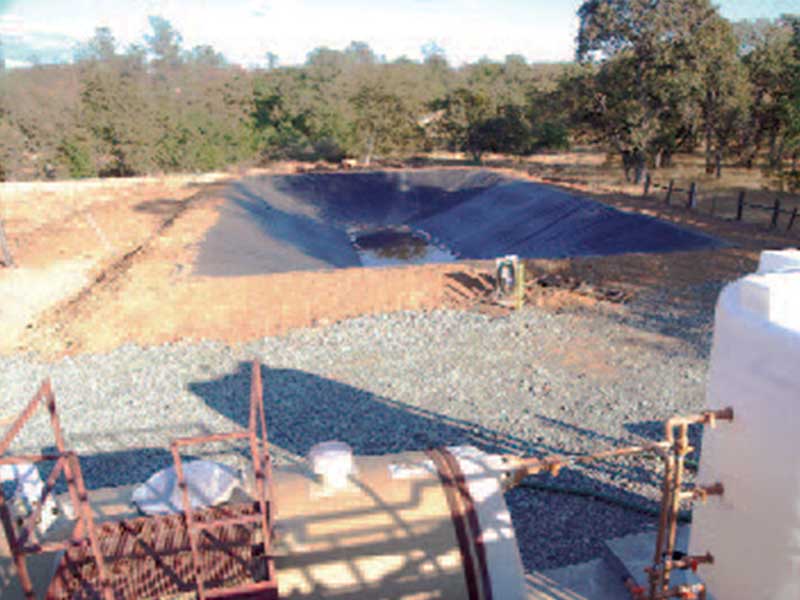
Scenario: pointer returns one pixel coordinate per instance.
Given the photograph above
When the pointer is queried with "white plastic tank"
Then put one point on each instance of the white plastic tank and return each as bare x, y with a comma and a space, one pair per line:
753, 531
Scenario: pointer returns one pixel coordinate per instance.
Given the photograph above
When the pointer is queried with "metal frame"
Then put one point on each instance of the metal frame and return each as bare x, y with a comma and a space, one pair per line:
23, 540
119, 559
256, 435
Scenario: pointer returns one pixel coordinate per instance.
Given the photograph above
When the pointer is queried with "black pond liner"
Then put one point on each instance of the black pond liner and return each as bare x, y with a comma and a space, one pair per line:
274, 224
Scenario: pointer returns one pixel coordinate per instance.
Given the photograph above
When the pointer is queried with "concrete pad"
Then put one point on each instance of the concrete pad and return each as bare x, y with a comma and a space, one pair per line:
635, 552
593, 580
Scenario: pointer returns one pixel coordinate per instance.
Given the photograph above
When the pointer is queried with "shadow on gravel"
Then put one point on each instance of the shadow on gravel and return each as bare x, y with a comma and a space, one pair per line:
654, 431
615, 469
303, 409
116, 468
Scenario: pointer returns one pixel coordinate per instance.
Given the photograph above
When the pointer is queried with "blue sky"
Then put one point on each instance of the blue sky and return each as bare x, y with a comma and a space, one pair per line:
245, 30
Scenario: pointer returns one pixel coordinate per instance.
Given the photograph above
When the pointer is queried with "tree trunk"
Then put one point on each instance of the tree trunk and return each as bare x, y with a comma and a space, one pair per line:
658, 159
5, 252
626, 164
709, 131
779, 154
639, 167
370, 149
718, 162
709, 149
775, 151
756, 133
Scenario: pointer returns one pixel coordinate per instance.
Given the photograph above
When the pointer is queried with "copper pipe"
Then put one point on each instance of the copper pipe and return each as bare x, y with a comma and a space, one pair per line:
709, 417
695, 591
636, 591
654, 573
672, 493
701, 493
520, 468
681, 450
673, 450
691, 562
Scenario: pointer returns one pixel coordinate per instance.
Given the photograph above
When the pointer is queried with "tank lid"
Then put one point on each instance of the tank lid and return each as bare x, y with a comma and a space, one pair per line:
773, 294
332, 461
773, 261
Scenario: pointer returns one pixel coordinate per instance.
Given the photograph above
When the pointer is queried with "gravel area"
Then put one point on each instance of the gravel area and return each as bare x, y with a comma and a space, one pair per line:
533, 382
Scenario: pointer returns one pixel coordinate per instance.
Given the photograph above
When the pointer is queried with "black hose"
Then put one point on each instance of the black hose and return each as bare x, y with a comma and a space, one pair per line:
684, 516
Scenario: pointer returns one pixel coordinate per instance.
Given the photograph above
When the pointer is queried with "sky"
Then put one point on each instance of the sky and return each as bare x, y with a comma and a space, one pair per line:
245, 30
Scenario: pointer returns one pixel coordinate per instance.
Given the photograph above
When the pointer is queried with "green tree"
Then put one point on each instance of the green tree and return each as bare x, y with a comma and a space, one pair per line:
272, 60
115, 109
657, 59
205, 56
462, 125
12, 150
724, 88
791, 176
383, 123
101, 47
164, 43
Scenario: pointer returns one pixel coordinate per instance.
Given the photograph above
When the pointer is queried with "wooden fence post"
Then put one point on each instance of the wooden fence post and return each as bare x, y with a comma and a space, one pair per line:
520, 291
4, 249
669, 191
691, 202
647, 182
740, 206
776, 211
792, 220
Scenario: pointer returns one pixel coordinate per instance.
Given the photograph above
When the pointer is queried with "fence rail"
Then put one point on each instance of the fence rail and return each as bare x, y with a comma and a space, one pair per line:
775, 210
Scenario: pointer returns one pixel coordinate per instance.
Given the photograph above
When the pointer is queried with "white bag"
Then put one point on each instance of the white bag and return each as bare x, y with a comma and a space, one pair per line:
209, 484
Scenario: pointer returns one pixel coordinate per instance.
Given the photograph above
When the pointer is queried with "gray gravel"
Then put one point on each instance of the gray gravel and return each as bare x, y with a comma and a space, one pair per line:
526, 383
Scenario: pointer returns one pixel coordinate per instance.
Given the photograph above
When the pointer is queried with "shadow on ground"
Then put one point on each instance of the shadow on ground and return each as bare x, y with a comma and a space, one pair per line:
159, 206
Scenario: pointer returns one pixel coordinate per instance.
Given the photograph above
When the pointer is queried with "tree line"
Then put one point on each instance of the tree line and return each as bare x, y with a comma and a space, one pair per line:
650, 80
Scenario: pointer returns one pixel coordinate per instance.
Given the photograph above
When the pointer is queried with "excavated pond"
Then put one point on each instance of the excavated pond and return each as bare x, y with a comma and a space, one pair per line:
272, 224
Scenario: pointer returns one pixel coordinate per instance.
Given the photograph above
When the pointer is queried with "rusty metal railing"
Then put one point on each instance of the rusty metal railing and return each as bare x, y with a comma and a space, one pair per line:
22, 536
256, 435
211, 552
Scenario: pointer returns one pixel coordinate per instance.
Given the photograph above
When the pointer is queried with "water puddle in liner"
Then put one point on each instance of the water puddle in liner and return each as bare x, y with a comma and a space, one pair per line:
393, 246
